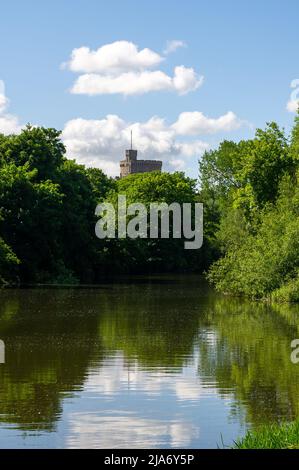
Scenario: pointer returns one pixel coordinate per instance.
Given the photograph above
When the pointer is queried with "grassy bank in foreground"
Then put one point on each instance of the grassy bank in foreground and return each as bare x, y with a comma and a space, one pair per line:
283, 436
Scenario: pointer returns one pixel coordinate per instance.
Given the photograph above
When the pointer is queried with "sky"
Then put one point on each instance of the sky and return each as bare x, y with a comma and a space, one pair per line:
182, 75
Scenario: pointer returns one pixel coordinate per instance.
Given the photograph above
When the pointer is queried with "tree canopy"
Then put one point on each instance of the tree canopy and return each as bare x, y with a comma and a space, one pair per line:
252, 191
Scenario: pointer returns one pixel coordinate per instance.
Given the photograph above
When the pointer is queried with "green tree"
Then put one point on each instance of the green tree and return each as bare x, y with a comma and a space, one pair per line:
40, 148
247, 175
295, 139
150, 255
47, 206
31, 215
257, 229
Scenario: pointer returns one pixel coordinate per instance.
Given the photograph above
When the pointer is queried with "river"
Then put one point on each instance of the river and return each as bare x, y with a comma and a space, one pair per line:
142, 362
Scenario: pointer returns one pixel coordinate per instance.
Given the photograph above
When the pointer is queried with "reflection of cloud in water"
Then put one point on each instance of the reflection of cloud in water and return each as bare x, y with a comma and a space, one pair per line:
127, 431
135, 417
116, 375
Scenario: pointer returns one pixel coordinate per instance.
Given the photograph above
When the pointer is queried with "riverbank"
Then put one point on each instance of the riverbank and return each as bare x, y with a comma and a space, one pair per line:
275, 436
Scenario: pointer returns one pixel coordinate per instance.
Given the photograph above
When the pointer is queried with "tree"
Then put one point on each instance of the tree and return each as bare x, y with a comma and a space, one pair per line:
257, 231
31, 215
47, 209
40, 148
247, 174
146, 254
295, 139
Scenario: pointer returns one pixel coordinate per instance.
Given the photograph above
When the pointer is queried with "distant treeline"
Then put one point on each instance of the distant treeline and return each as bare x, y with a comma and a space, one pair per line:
47, 216
250, 192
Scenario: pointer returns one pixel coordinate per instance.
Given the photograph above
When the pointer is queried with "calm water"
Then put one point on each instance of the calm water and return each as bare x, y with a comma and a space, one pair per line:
160, 362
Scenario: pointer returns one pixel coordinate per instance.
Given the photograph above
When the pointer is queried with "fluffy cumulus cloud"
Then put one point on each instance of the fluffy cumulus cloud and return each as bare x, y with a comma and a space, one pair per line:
101, 143
173, 45
138, 83
293, 103
9, 124
117, 57
120, 68
193, 123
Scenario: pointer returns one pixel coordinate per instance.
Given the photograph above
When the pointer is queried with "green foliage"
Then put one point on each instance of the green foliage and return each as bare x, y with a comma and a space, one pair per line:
250, 195
263, 166
47, 206
288, 292
247, 175
157, 187
258, 225
8, 264
295, 139
31, 216
153, 255
257, 263
47, 209
39, 148
275, 436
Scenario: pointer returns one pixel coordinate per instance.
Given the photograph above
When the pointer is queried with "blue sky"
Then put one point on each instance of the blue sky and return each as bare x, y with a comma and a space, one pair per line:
247, 52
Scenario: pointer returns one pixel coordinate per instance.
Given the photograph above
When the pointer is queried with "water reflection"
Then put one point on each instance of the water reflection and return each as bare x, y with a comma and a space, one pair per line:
154, 363
252, 355
89, 430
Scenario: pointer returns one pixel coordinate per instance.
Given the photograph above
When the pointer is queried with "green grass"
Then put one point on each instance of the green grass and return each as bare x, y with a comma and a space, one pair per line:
283, 436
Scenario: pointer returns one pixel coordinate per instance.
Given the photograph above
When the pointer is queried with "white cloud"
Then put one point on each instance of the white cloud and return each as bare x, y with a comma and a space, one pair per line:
117, 57
3, 103
173, 45
185, 80
3, 99
293, 103
293, 106
195, 147
177, 164
121, 68
196, 123
9, 124
137, 83
101, 143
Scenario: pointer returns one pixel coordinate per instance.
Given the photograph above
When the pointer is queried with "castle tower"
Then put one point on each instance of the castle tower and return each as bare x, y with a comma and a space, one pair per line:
131, 165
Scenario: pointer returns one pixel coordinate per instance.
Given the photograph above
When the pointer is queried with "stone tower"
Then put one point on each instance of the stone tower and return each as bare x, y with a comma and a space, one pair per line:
131, 165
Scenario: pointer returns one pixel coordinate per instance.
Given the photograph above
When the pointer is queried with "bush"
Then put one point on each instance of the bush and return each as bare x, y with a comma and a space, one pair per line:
289, 292
266, 258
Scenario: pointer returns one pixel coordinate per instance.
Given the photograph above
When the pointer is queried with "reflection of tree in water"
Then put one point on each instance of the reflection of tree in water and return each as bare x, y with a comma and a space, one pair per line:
252, 356
154, 323
48, 348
